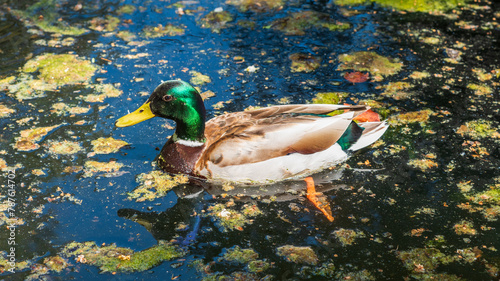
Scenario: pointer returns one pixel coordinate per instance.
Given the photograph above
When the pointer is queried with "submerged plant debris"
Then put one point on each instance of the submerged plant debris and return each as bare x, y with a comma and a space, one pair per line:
304, 62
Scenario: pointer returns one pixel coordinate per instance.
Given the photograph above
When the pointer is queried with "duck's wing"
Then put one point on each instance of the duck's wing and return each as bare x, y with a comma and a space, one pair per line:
261, 134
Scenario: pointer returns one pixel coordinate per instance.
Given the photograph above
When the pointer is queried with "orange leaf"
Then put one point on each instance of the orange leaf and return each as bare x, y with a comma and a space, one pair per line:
368, 116
356, 77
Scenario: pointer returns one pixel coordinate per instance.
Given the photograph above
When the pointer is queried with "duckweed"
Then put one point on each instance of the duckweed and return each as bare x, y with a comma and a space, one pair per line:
421, 116
112, 258
29, 138
423, 164
216, 20
5, 111
397, 90
43, 14
298, 254
412, 6
160, 30
24, 87
159, 181
238, 255
329, 98
257, 266
94, 167
298, 23
304, 62
104, 90
110, 23
371, 62
199, 79
478, 129
61, 69
347, 236
465, 228
64, 147
231, 219
61, 108
256, 5
480, 90
107, 145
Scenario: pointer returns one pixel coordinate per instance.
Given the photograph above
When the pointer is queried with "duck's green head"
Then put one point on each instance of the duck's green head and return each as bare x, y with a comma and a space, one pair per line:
175, 100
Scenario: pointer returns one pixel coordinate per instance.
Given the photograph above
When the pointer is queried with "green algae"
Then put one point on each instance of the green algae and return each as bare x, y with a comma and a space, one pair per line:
298, 254
103, 91
107, 145
418, 75
298, 23
348, 236
412, 6
397, 90
421, 116
423, 164
6, 265
155, 184
126, 9
199, 79
257, 266
61, 69
241, 256
232, 219
329, 98
304, 62
24, 87
216, 20
5, 111
465, 227
117, 259
56, 263
479, 129
422, 260
257, 5
480, 90
94, 167
64, 147
126, 35
110, 23
372, 62
45, 16
28, 139
160, 31
61, 108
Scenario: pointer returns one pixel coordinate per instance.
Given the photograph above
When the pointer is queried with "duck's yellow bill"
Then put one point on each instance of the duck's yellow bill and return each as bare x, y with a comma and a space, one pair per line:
141, 114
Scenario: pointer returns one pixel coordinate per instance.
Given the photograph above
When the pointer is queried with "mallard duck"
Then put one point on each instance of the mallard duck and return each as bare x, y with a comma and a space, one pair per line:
256, 146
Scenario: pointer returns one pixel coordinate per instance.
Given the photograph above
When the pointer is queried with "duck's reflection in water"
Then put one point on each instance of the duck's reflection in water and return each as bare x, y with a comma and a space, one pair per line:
182, 221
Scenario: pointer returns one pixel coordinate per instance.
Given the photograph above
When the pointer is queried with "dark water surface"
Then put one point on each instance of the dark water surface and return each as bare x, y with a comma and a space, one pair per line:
422, 204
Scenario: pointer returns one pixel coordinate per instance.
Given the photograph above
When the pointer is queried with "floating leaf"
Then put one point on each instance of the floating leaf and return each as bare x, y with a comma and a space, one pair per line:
356, 77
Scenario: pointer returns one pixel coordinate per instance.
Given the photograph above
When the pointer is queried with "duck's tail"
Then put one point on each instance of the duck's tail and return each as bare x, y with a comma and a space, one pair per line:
371, 132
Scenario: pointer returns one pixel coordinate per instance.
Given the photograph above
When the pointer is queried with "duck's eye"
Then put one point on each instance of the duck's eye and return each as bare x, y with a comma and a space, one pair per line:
167, 98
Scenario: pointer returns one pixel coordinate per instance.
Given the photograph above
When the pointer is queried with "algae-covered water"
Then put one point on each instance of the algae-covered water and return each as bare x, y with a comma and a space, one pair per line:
81, 199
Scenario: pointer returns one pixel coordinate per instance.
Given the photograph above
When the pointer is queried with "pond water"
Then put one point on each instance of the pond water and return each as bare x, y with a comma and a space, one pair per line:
82, 199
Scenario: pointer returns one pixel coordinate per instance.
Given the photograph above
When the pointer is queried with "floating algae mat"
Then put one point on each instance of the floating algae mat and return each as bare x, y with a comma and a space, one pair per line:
81, 199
